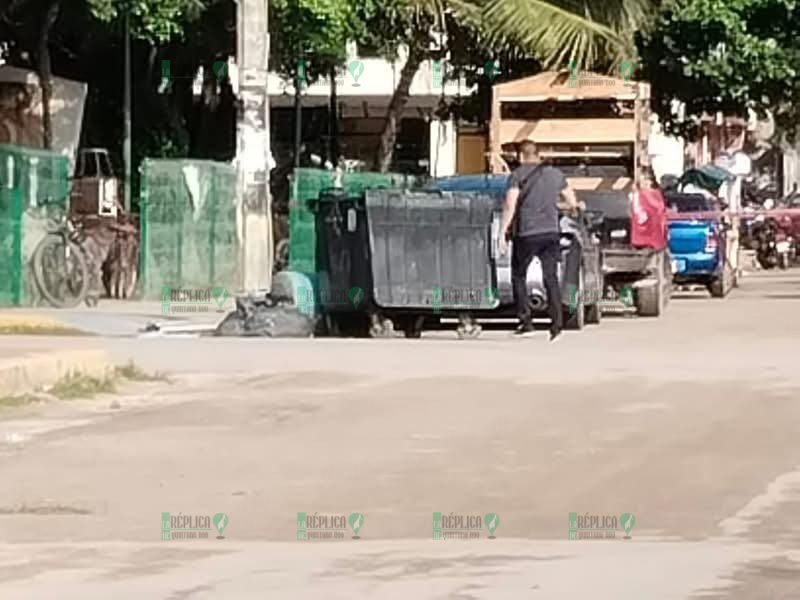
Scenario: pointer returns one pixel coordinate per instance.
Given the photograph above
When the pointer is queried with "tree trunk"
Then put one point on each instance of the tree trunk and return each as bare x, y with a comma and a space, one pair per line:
152, 54
45, 74
383, 159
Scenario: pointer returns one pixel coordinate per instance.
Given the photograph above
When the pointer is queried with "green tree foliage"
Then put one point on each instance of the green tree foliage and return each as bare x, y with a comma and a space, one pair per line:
314, 31
308, 40
154, 20
724, 55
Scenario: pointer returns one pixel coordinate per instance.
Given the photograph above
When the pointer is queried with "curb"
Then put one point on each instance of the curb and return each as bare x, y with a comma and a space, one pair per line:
40, 369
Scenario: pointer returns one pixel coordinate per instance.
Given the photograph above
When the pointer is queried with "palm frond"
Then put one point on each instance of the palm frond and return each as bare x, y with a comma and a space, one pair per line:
558, 32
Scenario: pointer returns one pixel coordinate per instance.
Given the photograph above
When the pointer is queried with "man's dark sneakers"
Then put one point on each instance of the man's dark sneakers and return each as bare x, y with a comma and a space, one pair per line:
524, 330
554, 333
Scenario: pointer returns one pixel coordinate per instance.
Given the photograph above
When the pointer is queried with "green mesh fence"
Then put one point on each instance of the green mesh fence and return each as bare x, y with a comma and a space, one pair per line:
30, 181
306, 186
188, 226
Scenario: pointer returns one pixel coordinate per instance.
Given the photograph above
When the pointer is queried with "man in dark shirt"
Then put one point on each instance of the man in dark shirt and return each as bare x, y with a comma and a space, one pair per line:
532, 204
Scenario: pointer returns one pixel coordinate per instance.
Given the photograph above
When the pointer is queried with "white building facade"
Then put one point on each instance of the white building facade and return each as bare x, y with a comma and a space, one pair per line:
364, 90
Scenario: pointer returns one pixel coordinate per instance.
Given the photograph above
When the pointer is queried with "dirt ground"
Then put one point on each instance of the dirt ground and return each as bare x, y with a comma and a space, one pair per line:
688, 422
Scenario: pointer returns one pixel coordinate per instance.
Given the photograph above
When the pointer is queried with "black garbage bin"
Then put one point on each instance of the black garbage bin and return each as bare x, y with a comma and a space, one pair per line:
343, 255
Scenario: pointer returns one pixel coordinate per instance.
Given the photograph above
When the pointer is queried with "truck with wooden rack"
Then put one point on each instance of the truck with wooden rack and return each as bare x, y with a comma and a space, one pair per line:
595, 129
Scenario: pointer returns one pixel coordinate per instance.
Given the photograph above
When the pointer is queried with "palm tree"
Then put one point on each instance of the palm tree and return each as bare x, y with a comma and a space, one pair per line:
556, 32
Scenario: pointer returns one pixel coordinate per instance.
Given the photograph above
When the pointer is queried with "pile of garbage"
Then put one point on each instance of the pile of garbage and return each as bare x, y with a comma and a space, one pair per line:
266, 316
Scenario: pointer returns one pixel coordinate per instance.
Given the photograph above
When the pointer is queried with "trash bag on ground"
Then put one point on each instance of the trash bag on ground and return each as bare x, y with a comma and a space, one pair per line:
265, 316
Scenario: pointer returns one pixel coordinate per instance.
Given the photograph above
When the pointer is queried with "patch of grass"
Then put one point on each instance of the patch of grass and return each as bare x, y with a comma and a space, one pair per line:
44, 509
12, 328
132, 372
21, 400
80, 385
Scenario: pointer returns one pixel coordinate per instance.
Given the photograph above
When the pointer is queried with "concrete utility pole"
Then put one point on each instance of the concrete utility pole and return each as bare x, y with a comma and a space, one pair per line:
253, 144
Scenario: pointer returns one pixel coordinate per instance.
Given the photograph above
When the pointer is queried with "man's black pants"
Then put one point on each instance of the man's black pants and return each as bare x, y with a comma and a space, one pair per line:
547, 248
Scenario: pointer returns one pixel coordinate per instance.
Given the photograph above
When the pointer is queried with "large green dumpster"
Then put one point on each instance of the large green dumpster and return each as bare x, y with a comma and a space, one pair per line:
29, 180
189, 234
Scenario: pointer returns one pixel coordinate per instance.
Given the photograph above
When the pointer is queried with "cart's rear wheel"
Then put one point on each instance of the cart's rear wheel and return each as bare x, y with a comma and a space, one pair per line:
651, 299
721, 284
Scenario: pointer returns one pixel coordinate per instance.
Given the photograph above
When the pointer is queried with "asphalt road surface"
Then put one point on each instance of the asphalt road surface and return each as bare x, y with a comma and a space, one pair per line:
688, 423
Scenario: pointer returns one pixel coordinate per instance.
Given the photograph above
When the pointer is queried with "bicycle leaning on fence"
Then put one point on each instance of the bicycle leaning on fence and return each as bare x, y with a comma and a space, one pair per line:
60, 264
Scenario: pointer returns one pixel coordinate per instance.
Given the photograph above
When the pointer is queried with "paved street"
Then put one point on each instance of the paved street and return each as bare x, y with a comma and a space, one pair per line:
689, 423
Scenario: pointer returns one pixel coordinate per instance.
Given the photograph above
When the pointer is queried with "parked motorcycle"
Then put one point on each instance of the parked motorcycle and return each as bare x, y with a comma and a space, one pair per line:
772, 245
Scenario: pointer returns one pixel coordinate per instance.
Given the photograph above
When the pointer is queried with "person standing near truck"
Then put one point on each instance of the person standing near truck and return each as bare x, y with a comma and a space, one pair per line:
648, 212
535, 193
